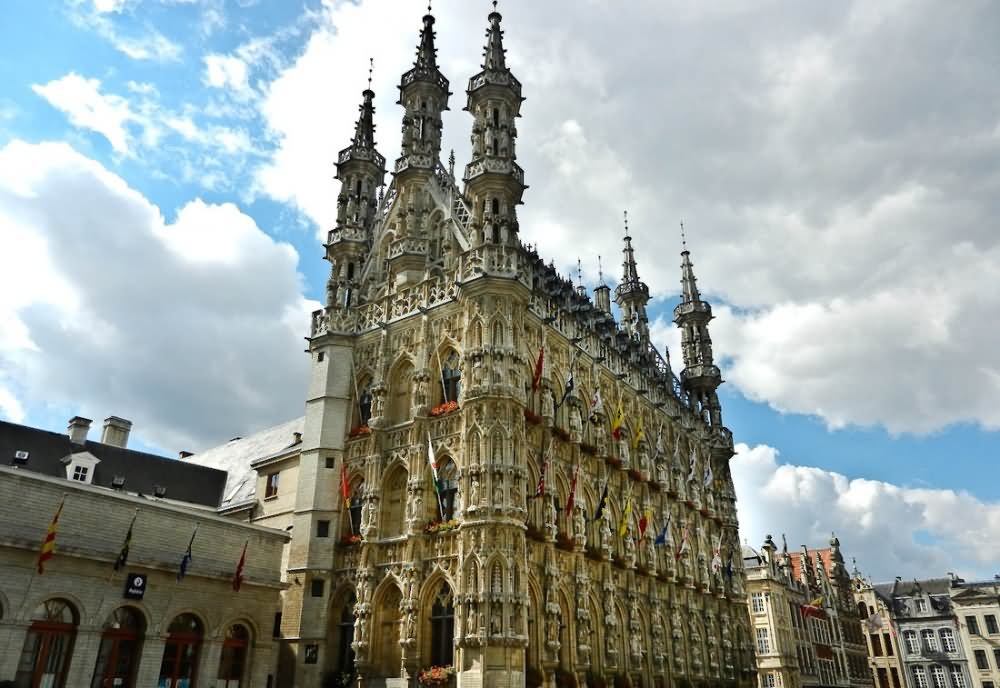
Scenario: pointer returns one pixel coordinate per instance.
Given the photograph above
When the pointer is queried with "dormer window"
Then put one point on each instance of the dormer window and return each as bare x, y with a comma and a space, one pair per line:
20, 457
80, 467
920, 604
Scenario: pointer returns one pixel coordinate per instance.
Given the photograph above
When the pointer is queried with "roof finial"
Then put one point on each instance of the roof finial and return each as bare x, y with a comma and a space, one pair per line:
428, 6
371, 68
494, 5
684, 242
579, 265
626, 223
600, 270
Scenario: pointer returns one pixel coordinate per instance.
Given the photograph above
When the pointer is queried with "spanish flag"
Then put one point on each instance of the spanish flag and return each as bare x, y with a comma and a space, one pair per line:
647, 516
618, 421
49, 543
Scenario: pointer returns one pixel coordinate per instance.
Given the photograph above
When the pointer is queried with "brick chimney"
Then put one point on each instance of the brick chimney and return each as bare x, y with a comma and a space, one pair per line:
78, 429
116, 431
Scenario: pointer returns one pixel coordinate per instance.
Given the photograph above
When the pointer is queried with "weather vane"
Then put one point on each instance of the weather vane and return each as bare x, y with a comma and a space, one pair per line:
683, 238
371, 68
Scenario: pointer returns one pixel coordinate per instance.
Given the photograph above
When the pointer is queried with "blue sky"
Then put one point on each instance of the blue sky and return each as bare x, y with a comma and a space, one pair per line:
842, 221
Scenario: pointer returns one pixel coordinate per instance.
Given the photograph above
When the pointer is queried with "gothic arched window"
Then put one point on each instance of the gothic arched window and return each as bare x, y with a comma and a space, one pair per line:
443, 628
448, 477
345, 636
451, 378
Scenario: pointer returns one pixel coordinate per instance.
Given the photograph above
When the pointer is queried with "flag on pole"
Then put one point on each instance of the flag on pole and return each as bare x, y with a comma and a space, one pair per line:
596, 404
603, 501
685, 545
619, 420
708, 473
874, 622
186, 559
626, 515
432, 460
664, 537
126, 545
238, 575
637, 438
717, 555
345, 487
539, 365
647, 515
540, 488
49, 543
659, 442
572, 490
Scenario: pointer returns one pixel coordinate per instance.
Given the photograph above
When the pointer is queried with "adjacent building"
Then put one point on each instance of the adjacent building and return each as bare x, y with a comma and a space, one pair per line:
885, 650
487, 455
804, 617
929, 638
78, 621
976, 605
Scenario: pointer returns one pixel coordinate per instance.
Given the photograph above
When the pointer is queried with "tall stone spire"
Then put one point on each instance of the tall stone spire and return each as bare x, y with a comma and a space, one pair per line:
423, 92
632, 294
361, 171
494, 182
700, 375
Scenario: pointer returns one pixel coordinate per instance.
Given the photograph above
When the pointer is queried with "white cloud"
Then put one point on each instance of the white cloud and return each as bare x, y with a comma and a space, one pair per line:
82, 101
105, 6
847, 215
148, 44
892, 530
183, 325
226, 71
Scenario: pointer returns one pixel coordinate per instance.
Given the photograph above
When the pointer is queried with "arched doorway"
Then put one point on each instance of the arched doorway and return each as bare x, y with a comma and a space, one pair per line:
48, 646
235, 653
388, 654
121, 647
180, 656
342, 621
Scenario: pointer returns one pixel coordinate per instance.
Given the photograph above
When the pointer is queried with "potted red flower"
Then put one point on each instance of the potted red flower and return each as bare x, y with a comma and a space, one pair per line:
436, 676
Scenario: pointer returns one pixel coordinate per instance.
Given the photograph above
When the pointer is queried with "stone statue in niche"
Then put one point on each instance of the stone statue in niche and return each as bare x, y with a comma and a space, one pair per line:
606, 533
474, 495
649, 552
497, 493
496, 620
579, 526
515, 494
629, 549
624, 452
550, 518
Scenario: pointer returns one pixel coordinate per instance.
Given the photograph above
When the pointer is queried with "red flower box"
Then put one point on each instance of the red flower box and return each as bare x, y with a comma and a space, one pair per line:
446, 407
436, 676
532, 418
360, 430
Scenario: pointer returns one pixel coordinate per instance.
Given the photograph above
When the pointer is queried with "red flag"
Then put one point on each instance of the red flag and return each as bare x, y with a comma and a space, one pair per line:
644, 522
539, 364
49, 543
238, 576
345, 488
572, 491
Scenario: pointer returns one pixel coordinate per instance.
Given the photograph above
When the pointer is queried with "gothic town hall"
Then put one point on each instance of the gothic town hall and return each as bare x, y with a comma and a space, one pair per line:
495, 482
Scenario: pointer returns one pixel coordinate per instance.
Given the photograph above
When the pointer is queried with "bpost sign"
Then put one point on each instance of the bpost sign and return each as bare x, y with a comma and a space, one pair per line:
135, 586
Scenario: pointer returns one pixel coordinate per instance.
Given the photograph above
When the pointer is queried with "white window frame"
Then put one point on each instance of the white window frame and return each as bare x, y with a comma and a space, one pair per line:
763, 641
757, 602
948, 641
938, 678
919, 604
912, 642
928, 640
957, 677
920, 677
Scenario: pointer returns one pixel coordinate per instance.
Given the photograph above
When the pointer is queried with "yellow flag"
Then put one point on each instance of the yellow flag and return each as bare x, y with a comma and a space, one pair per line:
616, 423
638, 436
623, 527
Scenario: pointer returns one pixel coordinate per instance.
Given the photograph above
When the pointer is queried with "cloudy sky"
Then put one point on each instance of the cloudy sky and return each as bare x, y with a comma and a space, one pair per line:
165, 175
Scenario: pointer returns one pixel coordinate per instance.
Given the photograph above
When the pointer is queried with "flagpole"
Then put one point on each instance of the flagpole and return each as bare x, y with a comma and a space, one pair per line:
34, 569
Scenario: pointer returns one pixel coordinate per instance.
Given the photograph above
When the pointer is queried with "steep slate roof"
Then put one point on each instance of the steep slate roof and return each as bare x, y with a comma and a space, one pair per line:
237, 455
142, 471
931, 586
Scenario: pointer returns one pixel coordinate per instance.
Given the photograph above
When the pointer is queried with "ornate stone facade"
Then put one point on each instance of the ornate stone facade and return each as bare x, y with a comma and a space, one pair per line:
428, 348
